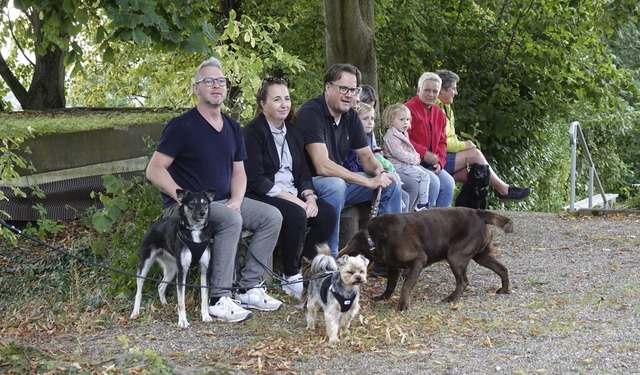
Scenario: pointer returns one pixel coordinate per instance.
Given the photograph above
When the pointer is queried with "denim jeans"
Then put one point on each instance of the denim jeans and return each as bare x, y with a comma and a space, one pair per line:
441, 187
339, 194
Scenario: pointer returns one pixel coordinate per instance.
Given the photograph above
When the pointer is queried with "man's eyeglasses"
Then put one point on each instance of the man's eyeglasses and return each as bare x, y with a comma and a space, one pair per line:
222, 81
344, 89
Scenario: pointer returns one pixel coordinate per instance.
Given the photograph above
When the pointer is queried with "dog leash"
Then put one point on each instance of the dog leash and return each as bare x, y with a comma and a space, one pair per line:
375, 202
125, 273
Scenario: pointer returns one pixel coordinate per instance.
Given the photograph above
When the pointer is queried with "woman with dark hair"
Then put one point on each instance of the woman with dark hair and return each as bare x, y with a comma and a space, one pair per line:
277, 174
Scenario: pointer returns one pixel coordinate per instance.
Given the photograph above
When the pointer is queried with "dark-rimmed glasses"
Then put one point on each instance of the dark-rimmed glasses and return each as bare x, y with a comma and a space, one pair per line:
344, 89
209, 81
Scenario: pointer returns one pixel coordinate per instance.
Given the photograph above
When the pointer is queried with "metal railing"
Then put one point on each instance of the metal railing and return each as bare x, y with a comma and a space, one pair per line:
575, 135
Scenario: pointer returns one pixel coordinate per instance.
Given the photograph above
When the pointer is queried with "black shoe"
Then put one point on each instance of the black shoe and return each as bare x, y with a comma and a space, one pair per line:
515, 194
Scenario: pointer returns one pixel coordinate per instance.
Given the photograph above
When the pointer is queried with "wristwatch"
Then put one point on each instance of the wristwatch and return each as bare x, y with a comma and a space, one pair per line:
312, 193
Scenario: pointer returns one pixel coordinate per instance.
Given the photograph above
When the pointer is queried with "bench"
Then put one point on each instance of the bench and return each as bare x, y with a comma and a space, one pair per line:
596, 201
352, 219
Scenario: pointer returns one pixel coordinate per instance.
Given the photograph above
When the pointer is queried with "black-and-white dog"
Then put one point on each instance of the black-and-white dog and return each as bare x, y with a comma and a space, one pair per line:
178, 243
473, 193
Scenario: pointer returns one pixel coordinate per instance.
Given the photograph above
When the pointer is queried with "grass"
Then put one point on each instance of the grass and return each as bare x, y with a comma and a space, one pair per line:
73, 120
46, 300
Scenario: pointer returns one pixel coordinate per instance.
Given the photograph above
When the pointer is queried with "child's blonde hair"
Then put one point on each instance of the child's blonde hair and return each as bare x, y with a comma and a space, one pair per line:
390, 113
364, 108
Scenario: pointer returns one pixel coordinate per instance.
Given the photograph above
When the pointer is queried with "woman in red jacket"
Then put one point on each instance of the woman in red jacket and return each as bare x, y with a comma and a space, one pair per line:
428, 136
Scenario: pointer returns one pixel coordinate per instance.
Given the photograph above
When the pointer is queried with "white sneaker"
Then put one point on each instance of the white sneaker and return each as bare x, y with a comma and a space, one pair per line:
229, 310
257, 298
293, 285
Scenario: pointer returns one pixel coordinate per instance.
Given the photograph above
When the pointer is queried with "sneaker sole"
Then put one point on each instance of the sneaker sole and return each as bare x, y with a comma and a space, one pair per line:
232, 321
246, 306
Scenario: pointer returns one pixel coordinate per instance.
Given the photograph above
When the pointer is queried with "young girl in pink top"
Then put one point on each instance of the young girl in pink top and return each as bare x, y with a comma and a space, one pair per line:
399, 150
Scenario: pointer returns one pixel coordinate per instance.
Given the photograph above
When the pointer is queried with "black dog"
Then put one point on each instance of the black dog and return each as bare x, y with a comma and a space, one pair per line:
418, 239
178, 243
473, 193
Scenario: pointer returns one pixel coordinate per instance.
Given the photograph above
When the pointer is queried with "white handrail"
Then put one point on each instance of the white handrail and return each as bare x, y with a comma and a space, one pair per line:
575, 133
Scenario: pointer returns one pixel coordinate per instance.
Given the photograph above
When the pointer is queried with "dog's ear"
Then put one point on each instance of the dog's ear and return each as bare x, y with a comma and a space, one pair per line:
341, 261
210, 194
364, 259
181, 193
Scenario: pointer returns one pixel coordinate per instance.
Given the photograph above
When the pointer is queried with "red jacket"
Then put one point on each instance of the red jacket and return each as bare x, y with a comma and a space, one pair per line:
428, 129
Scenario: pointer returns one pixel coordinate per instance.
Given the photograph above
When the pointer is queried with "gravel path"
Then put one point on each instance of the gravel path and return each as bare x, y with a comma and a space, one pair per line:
574, 309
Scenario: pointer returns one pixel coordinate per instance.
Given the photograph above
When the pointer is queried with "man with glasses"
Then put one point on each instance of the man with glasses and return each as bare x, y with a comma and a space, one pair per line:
204, 148
331, 127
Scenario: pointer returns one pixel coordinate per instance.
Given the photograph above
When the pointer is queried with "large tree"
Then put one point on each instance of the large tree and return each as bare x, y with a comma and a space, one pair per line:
350, 36
52, 35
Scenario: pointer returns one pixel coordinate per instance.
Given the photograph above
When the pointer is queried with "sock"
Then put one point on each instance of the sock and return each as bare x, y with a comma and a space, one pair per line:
213, 300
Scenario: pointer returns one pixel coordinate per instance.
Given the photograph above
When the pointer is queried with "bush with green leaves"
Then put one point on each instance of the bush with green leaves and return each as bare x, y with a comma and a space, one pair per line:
128, 208
13, 159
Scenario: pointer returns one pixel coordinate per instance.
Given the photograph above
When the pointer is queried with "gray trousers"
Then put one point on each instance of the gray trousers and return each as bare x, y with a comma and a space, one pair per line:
262, 219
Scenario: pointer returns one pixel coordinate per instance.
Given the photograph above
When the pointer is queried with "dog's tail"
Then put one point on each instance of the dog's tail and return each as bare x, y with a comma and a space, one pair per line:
323, 262
496, 219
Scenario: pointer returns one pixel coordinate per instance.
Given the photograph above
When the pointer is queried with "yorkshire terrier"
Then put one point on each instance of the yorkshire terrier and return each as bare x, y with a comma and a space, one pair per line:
334, 286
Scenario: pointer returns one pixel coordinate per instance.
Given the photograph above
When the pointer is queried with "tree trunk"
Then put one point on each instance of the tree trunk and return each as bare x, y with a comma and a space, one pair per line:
349, 36
46, 90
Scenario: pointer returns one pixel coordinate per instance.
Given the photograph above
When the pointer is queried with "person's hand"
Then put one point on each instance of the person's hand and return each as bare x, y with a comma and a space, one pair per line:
383, 179
234, 204
311, 207
437, 168
430, 158
469, 144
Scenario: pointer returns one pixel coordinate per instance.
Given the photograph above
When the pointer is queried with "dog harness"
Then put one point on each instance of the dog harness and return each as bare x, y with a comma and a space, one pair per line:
345, 301
196, 248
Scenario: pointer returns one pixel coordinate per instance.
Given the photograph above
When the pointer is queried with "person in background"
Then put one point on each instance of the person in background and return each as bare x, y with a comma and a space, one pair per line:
399, 150
331, 127
204, 148
462, 153
278, 174
409, 187
428, 136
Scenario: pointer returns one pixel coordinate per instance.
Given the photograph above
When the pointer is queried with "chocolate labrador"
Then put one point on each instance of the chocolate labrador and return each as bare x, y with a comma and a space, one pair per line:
418, 239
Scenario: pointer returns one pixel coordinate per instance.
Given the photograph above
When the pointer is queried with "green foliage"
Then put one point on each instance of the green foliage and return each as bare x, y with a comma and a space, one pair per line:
245, 46
11, 160
527, 69
129, 207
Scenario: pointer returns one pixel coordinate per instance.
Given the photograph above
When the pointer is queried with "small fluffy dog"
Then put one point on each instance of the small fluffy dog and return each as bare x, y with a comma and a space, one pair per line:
178, 243
335, 288
473, 193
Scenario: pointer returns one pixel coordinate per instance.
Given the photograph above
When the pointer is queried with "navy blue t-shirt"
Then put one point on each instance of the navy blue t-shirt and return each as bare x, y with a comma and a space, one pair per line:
203, 157
318, 126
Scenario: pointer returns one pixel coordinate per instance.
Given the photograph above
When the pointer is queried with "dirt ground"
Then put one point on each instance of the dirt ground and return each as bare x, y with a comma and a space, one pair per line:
574, 308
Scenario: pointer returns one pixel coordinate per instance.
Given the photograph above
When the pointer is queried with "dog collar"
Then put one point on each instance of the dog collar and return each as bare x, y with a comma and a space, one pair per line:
370, 242
185, 226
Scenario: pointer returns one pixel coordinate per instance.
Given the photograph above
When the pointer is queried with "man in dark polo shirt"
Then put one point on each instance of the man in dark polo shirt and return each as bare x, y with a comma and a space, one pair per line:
331, 128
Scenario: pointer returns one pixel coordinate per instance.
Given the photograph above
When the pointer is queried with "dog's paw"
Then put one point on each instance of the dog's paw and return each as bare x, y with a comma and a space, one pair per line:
207, 318
334, 340
403, 306
382, 297
183, 323
503, 291
134, 315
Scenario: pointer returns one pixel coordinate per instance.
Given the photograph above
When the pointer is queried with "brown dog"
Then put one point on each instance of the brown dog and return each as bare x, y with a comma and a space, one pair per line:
418, 239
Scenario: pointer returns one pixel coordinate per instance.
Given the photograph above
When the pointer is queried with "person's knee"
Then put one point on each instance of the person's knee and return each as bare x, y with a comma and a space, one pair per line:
474, 155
